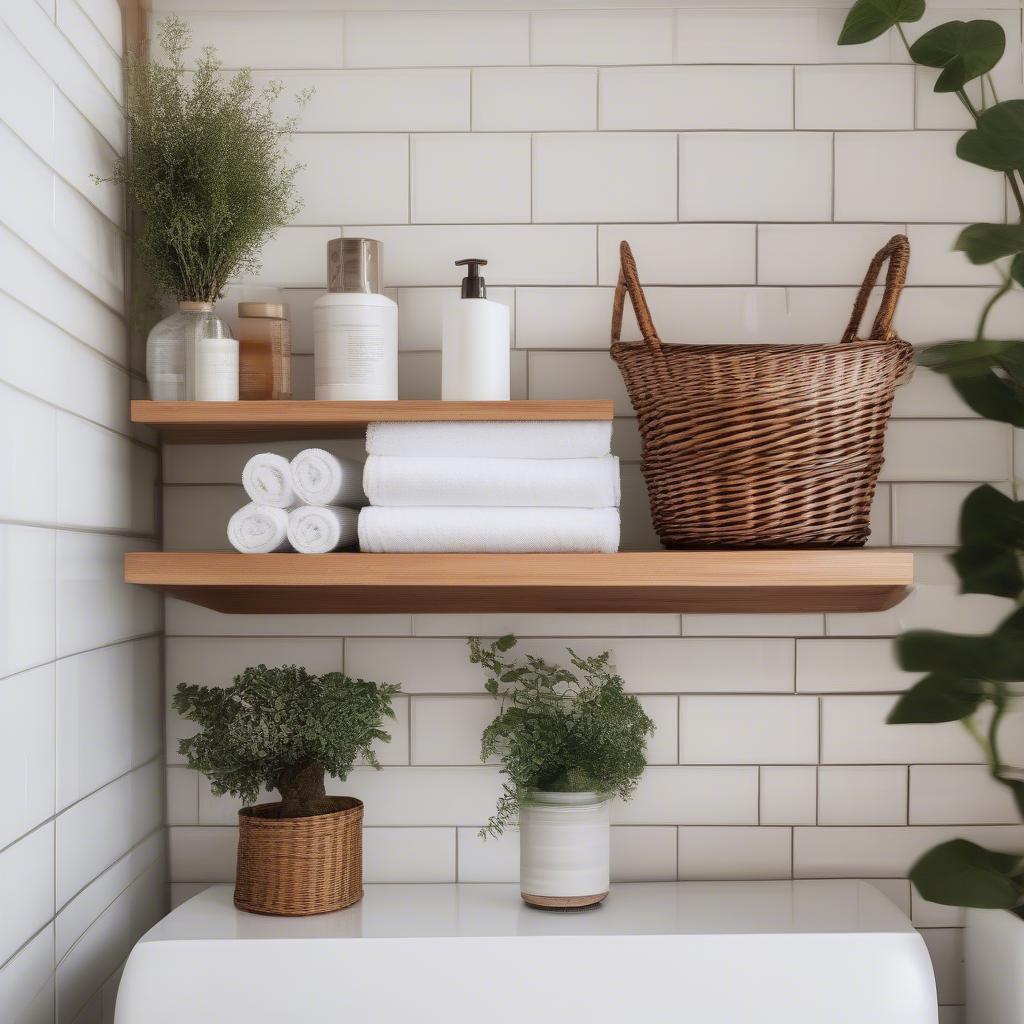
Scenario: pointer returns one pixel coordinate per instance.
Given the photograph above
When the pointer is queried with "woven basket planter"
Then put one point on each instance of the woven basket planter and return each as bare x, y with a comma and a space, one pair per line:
297, 866
748, 446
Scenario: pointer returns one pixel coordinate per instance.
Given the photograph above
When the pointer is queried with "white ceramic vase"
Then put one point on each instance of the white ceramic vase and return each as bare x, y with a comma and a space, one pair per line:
994, 967
564, 849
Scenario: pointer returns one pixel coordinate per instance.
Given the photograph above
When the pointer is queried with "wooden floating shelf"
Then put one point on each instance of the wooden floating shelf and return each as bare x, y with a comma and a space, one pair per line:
233, 422
844, 580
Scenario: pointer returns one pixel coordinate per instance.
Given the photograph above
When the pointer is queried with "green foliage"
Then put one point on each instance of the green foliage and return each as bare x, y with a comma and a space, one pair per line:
206, 167
963, 874
973, 679
997, 140
559, 729
984, 243
964, 50
282, 728
868, 19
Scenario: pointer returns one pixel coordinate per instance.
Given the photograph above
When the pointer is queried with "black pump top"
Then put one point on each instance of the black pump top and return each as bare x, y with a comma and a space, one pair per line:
473, 286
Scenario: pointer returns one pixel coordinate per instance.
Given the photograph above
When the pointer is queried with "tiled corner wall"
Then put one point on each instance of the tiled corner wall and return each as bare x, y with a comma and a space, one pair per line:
755, 166
82, 838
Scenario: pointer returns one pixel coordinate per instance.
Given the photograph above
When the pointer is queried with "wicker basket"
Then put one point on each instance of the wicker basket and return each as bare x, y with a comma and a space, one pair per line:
297, 866
749, 446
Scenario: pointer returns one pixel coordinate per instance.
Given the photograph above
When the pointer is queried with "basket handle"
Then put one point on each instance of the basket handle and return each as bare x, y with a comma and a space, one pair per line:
629, 281
897, 252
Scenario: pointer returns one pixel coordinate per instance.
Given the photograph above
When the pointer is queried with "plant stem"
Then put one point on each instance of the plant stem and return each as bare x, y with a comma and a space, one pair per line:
996, 296
992, 88
903, 36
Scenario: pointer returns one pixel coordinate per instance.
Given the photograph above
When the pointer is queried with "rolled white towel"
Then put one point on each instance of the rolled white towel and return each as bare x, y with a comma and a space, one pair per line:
488, 529
317, 529
267, 480
508, 483
258, 529
582, 439
320, 478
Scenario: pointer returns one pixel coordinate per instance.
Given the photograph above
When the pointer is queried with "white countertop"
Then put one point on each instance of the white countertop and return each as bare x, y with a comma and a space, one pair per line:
477, 910
804, 952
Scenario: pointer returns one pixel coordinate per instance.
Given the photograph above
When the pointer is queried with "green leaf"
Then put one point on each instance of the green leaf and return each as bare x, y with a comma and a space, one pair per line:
962, 874
937, 699
984, 243
992, 396
989, 516
988, 569
963, 49
998, 140
963, 358
868, 19
997, 657
1017, 269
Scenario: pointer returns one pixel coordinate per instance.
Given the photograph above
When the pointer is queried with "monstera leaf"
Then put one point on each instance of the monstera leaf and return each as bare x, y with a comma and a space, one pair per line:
868, 19
998, 140
964, 50
962, 874
984, 243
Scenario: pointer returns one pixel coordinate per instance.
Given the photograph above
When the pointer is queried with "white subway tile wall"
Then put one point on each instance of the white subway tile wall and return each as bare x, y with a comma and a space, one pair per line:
82, 866
754, 166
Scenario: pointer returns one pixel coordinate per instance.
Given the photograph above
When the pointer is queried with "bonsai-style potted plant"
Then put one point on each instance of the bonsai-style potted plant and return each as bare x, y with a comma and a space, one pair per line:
975, 679
569, 739
207, 172
284, 728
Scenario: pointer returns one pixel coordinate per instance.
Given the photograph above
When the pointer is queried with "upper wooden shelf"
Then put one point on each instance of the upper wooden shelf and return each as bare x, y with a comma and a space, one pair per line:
233, 422
845, 580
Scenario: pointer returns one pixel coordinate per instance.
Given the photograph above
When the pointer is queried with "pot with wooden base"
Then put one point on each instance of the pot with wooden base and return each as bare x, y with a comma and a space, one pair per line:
300, 866
564, 849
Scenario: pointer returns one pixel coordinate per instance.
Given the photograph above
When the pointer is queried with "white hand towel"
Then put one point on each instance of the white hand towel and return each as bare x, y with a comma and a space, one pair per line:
258, 529
267, 480
508, 483
584, 439
317, 529
320, 478
488, 529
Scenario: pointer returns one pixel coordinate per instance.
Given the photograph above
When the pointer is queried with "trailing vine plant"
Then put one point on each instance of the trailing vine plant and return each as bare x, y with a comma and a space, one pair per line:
559, 730
972, 679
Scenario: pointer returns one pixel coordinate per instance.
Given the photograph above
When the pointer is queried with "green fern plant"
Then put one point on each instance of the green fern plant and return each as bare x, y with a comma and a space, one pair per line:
283, 728
559, 729
206, 166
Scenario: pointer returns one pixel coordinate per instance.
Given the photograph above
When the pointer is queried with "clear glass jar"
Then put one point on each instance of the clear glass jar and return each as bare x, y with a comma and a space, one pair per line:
171, 350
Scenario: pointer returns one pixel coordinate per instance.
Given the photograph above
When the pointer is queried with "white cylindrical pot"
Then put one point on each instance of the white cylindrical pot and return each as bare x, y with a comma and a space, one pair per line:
994, 967
564, 849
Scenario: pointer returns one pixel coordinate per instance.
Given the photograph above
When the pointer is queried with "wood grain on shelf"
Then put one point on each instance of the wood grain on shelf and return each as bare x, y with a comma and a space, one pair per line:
232, 422
845, 580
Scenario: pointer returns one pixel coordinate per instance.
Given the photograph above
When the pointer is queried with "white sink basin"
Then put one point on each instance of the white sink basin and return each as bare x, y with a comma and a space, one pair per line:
807, 952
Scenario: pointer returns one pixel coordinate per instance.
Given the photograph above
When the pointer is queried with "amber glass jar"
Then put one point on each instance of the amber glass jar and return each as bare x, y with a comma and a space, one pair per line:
264, 351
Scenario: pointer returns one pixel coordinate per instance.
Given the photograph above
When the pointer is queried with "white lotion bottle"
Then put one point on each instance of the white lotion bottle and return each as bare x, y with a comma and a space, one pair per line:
355, 327
474, 343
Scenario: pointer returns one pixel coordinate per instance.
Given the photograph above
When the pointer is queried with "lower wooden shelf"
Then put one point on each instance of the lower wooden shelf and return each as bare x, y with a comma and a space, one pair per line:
843, 580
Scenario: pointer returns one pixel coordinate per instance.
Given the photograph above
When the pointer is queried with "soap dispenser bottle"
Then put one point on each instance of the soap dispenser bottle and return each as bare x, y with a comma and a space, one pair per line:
474, 343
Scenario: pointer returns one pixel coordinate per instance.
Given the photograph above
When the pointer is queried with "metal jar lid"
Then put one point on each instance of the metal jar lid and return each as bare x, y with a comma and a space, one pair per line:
354, 265
267, 310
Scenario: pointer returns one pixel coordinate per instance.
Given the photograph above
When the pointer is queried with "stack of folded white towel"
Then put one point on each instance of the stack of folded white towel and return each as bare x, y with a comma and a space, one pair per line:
308, 505
546, 486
